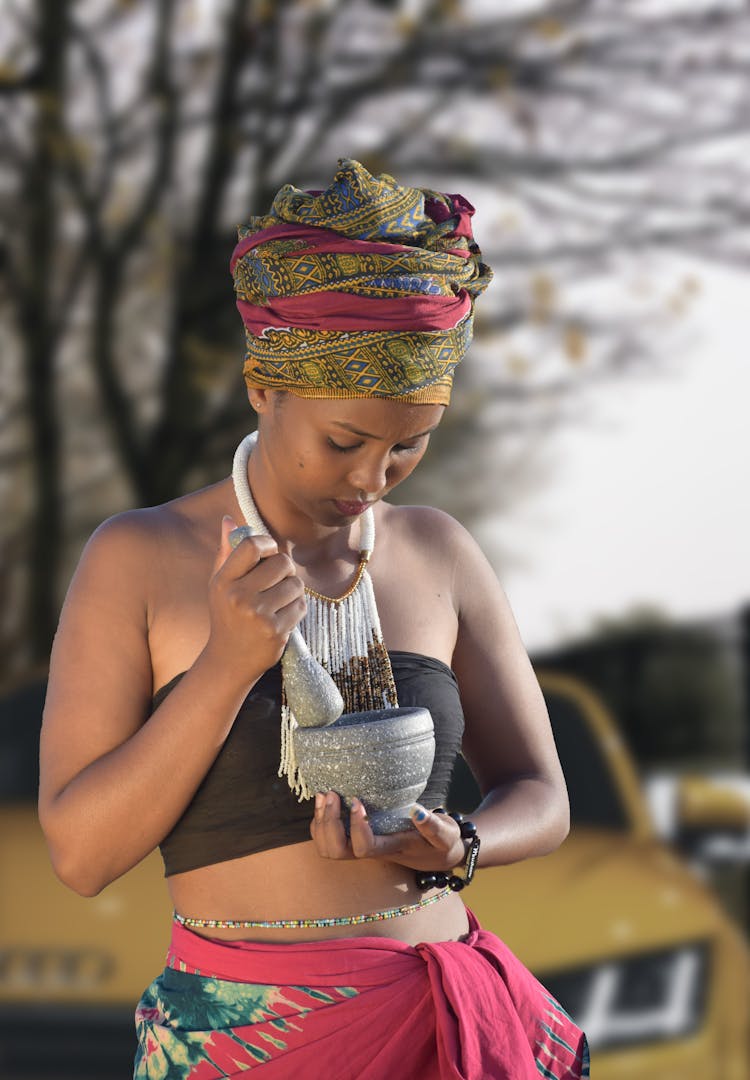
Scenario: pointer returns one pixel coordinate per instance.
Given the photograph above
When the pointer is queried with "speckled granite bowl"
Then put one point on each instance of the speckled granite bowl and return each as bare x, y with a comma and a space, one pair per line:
382, 757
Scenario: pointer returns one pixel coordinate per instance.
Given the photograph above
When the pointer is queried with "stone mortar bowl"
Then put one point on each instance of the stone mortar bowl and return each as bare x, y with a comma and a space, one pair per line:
383, 757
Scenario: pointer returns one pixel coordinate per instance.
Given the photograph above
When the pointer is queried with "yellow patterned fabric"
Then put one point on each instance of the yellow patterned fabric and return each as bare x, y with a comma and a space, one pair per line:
328, 364
277, 269
364, 289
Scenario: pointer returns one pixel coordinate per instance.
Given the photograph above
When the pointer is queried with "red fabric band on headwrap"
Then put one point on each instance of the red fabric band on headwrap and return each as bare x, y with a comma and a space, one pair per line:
340, 311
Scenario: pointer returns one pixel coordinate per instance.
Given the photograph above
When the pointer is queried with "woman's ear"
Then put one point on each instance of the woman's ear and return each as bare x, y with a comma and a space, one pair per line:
258, 398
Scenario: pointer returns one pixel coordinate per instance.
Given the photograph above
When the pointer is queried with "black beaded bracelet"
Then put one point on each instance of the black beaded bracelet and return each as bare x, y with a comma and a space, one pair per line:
439, 879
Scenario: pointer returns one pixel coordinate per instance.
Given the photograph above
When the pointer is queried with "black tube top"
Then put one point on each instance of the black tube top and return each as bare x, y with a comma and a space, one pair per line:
242, 806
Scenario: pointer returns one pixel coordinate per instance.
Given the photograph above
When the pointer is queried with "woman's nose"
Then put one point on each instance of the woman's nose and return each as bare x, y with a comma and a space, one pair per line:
369, 475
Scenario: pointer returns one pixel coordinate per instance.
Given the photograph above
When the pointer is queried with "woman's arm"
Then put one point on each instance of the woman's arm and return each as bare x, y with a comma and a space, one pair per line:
508, 741
113, 782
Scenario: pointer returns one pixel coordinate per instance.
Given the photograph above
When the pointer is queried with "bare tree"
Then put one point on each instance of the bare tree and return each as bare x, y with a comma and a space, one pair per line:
136, 136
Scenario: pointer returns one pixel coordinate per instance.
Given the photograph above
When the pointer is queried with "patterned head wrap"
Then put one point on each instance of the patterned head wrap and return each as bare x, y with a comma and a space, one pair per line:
363, 290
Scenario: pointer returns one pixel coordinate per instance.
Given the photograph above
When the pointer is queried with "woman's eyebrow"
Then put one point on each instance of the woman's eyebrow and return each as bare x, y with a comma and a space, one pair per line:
369, 435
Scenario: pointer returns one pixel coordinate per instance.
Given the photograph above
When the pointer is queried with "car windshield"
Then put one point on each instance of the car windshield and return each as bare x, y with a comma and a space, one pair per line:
592, 788
594, 795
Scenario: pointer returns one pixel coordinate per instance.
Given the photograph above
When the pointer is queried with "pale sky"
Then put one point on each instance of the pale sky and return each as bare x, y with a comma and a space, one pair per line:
651, 505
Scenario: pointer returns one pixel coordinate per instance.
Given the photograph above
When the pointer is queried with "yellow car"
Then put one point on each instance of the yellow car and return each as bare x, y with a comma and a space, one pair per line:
614, 923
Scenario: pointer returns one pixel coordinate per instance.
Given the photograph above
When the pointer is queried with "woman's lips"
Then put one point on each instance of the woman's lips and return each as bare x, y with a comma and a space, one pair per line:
350, 509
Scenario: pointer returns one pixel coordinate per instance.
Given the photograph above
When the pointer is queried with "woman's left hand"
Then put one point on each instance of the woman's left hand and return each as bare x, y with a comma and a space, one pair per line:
433, 844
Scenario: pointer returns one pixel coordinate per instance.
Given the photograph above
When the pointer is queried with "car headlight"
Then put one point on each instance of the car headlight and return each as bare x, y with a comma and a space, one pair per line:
645, 998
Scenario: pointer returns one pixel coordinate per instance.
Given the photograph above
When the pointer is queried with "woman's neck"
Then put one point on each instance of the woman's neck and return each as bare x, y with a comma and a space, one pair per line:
307, 542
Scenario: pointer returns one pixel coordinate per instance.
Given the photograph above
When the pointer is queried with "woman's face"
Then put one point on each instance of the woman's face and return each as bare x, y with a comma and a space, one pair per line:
331, 459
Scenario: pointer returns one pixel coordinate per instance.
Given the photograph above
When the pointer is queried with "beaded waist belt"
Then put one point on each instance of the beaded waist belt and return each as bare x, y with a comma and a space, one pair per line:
310, 924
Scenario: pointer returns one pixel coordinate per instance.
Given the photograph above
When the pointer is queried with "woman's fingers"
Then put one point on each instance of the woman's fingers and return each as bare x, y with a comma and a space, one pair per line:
329, 834
442, 833
255, 600
258, 573
327, 828
255, 569
439, 830
254, 556
225, 548
246, 555
433, 844
363, 839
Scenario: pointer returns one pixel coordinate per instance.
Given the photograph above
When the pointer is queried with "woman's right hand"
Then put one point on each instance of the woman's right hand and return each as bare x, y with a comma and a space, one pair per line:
255, 600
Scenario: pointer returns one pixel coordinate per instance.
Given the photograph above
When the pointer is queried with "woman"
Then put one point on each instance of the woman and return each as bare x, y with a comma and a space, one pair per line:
302, 939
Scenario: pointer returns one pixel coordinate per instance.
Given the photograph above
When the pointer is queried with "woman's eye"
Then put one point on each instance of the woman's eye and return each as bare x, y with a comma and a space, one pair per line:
398, 448
342, 449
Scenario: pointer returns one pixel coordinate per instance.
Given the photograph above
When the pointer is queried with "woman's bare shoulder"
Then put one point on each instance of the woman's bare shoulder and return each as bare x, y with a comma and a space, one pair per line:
142, 532
426, 524
430, 530
128, 563
130, 529
131, 562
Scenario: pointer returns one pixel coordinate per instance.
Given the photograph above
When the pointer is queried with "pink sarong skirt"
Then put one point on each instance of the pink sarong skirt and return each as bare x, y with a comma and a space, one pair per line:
367, 1008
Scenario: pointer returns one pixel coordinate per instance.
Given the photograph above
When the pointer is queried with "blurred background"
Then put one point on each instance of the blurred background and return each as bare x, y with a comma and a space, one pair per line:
597, 443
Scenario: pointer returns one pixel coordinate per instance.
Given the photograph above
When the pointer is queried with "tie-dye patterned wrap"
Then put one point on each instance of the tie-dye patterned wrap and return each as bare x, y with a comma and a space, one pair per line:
364, 1008
365, 289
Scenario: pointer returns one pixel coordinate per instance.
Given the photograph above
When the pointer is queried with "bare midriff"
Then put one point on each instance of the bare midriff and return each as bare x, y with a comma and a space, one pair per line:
294, 882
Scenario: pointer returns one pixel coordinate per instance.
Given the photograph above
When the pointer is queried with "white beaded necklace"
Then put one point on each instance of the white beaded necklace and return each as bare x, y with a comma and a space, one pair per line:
343, 633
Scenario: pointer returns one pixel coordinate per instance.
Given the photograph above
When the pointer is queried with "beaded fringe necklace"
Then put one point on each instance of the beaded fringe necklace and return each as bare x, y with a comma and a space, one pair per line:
343, 633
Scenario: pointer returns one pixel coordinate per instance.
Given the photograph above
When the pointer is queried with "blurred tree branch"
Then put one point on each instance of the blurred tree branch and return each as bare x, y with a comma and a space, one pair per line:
40, 226
135, 136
